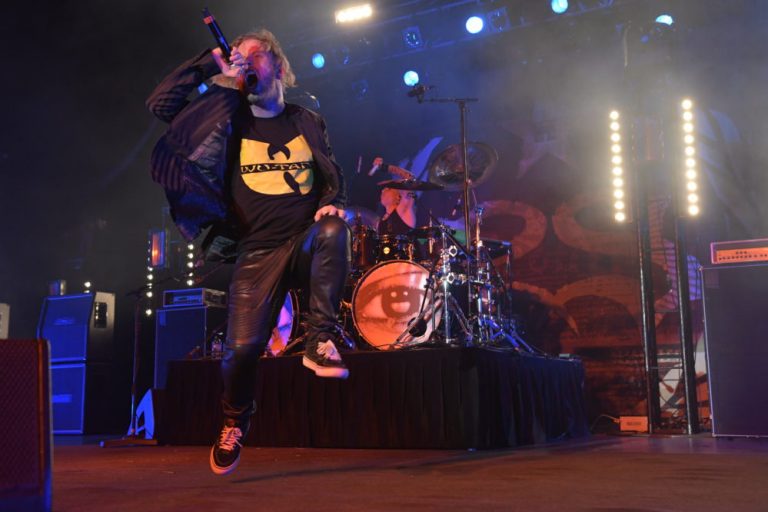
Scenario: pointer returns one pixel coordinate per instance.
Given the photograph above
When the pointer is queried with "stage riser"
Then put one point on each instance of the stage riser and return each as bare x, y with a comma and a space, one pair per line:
430, 398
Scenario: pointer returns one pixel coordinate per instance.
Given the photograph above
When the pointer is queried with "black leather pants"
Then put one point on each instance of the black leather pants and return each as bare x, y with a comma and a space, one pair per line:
316, 261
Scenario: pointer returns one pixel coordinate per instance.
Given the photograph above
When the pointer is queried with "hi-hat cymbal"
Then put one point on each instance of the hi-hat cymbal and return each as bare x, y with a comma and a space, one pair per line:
424, 186
359, 215
447, 168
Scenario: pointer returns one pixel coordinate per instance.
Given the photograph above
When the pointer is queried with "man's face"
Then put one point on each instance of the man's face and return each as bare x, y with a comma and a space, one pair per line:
389, 196
263, 64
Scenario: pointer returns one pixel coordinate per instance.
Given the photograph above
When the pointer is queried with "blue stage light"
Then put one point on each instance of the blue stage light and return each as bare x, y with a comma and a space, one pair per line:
318, 60
410, 78
559, 6
665, 19
474, 24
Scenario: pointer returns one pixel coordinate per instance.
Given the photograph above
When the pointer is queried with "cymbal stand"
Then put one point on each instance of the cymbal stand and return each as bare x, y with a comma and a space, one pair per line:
490, 327
438, 286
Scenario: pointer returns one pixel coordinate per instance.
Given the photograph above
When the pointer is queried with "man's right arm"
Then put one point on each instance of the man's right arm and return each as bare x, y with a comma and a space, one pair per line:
172, 94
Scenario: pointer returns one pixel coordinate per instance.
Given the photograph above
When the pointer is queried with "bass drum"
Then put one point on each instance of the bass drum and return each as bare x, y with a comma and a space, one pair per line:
287, 326
386, 299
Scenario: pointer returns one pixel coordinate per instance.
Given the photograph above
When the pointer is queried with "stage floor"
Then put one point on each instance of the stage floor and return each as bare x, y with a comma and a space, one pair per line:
608, 474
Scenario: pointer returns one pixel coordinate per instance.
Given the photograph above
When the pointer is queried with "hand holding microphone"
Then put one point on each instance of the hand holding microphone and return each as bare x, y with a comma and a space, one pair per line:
377, 163
231, 62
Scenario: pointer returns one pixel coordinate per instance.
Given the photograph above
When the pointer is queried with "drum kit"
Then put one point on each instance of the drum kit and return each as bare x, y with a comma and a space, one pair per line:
423, 288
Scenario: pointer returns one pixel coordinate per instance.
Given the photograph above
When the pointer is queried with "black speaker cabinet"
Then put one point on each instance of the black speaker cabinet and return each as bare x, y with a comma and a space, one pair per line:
82, 398
736, 329
78, 327
181, 333
25, 426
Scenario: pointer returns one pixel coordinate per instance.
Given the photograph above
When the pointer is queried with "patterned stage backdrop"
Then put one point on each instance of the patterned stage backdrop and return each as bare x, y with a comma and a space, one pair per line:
575, 272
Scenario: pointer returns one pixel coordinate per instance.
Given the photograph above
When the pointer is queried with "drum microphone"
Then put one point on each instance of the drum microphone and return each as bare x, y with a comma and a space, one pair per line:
419, 90
419, 327
221, 42
457, 206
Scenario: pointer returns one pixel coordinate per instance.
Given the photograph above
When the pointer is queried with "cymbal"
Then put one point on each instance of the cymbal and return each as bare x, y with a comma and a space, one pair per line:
359, 215
447, 168
410, 185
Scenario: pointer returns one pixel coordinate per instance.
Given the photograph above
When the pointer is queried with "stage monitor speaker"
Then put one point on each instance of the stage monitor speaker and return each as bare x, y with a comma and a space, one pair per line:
181, 333
25, 426
78, 327
5, 318
736, 323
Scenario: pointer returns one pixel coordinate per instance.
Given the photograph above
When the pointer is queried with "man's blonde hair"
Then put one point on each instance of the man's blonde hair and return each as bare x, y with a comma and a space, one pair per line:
272, 45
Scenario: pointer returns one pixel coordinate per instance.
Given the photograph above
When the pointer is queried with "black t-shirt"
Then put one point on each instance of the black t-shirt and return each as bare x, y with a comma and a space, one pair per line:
393, 225
275, 189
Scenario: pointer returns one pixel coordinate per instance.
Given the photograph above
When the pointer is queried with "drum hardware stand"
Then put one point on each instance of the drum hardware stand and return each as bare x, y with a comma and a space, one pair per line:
438, 286
489, 328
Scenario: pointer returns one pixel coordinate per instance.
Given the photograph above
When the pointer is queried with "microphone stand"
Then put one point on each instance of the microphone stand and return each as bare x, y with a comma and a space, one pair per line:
462, 104
133, 438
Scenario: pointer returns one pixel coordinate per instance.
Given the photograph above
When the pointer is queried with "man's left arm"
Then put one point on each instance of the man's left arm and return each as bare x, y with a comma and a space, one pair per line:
340, 201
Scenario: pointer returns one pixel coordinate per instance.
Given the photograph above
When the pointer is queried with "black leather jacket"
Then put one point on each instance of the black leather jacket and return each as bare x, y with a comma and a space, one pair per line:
194, 159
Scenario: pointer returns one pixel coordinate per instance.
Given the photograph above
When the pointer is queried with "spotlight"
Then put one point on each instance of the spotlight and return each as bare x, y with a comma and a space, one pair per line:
87, 284
474, 24
412, 37
664, 19
190, 282
354, 13
190, 247
148, 312
150, 294
318, 61
559, 6
411, 78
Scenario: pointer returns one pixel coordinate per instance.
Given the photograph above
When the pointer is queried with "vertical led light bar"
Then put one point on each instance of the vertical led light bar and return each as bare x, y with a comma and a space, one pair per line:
691, 175
617, 168
190, 264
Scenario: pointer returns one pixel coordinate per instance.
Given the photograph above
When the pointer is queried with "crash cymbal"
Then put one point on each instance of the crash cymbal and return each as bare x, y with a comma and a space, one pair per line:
423, 186
359, 215
447, 168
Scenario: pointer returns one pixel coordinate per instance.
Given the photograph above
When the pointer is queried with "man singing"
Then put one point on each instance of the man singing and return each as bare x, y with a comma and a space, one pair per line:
261, 173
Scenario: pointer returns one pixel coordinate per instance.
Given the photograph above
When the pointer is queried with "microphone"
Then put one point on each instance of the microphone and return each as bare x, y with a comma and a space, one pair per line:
216, 32
457, 205
221, 42
419, 90
419, 327
373, 170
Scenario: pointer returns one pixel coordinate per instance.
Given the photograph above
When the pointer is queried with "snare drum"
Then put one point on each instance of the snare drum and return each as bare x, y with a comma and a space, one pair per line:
394, 247
387, 298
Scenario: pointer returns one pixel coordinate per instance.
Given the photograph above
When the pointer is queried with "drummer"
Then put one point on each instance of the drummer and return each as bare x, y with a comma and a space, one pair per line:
399, 205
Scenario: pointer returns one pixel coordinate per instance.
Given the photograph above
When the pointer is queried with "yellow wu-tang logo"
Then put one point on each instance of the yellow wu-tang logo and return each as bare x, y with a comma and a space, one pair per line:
276, 170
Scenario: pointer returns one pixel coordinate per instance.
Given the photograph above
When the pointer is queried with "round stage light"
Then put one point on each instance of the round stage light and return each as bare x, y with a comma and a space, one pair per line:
664, 19
318, 61
411, 78
474, 24
559, 6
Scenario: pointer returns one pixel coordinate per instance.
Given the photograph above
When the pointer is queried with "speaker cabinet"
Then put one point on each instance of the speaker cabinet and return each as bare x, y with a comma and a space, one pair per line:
81, 398
736, 323
181, 333
78, 327
25, 426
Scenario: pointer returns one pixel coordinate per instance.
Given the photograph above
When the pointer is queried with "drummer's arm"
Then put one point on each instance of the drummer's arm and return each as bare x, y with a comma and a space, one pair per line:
406, 208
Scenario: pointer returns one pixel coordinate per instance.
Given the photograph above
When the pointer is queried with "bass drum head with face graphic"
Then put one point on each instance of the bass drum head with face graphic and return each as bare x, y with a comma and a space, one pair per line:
386, 299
